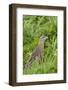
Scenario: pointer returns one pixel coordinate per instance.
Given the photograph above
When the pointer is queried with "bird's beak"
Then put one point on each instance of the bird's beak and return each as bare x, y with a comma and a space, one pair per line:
46, 38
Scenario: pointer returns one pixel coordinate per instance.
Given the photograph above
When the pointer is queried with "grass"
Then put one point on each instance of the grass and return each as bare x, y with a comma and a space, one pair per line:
34, 27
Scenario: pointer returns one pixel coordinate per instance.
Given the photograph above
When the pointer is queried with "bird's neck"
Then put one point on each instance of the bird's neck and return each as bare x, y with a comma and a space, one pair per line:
41, 44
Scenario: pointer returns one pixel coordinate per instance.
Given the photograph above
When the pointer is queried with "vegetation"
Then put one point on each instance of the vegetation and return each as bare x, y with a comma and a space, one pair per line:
34, 27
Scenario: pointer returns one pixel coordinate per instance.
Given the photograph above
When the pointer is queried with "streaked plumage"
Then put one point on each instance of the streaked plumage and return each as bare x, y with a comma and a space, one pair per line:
38, 52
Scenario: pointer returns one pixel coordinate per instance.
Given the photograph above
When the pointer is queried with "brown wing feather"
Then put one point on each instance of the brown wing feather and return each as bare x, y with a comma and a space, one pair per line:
38, 52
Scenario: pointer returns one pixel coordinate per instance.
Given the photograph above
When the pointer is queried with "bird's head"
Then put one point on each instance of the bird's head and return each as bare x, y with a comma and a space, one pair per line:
43, 38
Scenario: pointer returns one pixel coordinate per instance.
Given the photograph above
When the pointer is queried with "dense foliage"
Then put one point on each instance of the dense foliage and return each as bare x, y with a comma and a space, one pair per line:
33, 28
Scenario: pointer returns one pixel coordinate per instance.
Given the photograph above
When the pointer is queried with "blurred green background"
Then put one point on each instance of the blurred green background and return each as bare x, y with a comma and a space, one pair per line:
33, 28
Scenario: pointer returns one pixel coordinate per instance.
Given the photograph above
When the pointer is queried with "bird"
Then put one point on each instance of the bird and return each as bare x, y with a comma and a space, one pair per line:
37, 53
